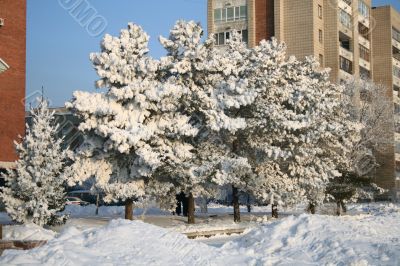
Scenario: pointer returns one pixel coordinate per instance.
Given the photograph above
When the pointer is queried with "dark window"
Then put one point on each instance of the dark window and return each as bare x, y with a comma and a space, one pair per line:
396, 34
346, 65
320, 36
364, 53
245, 36
364, 73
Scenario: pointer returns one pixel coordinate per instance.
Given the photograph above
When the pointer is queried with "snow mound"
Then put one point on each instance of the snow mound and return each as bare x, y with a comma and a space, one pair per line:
120, 242
324, 240
27, 232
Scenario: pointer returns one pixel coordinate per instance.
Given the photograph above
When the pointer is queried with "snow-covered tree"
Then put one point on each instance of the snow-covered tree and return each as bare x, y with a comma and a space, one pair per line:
297, 132
366, 104
215, 90
34, 191
135, 126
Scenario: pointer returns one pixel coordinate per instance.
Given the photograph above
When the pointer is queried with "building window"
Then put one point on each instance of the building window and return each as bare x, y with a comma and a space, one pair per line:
396, 108
321, 60
228, 14
364, 53
222, 37
363, 31
319, 11
363, 9
345, 18
396, 34
320, 36
346, 65
396, 72
243, 12
364, 73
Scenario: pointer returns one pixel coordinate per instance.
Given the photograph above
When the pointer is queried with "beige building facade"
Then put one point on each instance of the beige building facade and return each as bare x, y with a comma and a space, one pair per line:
386, 47
348, 36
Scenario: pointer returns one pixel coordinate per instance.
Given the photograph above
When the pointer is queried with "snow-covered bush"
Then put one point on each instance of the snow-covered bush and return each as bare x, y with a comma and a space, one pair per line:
34, 191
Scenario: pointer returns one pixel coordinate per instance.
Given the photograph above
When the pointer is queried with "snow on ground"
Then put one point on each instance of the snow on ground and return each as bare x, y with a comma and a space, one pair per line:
324, 240
27, 232
370, 236
122, 243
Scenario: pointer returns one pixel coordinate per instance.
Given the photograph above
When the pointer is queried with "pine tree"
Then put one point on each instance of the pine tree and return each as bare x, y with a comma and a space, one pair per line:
135, 127
297, 133
366, 104
34, 191
216, 92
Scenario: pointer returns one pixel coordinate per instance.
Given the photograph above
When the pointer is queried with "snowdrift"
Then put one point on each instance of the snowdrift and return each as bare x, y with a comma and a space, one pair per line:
325, 240
120, 243
363, 239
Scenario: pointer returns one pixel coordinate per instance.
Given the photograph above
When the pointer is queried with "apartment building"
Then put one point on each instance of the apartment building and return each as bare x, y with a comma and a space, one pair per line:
347, 36
337, 32
12, 77
386, 47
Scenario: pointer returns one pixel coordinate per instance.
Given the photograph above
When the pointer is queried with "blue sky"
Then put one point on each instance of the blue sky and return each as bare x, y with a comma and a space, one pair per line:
58, 46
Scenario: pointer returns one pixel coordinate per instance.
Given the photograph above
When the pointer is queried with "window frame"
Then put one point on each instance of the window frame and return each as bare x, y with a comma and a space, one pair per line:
363, 9
239, 13
226, 36
345, 18
320, 36
320, 12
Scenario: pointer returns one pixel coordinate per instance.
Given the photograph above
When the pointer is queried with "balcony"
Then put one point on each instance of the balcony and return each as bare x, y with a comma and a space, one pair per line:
345, 31
343, 75
345, 53
364, 20
396, 43
364, 42
396, 62
365, 64
396, 98
396, 81
397, 138
346, 6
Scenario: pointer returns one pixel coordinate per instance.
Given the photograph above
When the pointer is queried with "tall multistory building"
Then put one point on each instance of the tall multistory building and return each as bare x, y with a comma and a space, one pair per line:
347, 36
337, 32
386, 53
12, 77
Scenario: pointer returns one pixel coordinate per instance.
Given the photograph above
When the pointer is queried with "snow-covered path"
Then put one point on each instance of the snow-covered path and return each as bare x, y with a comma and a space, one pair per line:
364, 239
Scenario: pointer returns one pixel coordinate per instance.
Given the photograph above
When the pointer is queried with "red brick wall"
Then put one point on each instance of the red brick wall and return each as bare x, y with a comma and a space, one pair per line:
12, 81
264, 20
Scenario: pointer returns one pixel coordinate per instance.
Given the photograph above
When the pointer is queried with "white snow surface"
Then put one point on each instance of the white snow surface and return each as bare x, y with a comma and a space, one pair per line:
371, 237
121, 242
27, 232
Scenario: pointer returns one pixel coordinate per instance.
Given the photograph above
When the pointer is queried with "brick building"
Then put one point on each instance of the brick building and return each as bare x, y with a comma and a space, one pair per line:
348, 36
12, 77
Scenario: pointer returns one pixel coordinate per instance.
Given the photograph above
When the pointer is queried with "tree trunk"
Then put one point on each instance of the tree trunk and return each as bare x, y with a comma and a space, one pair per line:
344, 209
190, 212
311, 208
129, 209
235, 202
338, 208
248, 204
274, 211
97, 204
